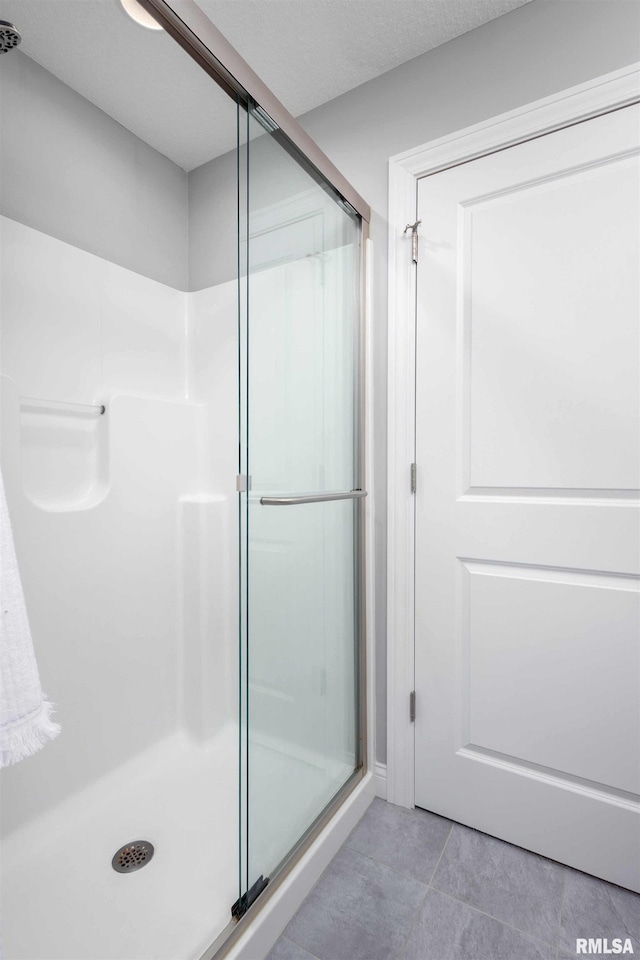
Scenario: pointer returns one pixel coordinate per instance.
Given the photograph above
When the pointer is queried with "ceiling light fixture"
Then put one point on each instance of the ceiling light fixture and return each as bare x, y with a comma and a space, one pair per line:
138, 13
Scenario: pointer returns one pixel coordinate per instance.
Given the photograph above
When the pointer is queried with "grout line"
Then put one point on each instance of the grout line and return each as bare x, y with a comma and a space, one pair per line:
408, 877
296, 944
435, 869
564, 890
381, 863
504, 923
413, 924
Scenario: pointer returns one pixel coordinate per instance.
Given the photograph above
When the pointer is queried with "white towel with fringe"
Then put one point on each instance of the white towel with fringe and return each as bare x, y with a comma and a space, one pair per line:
25, 713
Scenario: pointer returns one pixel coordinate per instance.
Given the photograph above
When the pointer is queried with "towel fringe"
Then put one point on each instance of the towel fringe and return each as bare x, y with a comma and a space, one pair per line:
18, 743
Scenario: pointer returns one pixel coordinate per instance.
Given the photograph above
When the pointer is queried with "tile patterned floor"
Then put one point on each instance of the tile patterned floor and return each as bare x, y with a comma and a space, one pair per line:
409, 885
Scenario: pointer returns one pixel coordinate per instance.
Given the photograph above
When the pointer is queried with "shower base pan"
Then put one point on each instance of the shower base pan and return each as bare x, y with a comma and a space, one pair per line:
61, 897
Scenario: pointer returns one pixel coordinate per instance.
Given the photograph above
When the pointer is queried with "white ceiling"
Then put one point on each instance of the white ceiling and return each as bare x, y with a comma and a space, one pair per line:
310, 51
306, 51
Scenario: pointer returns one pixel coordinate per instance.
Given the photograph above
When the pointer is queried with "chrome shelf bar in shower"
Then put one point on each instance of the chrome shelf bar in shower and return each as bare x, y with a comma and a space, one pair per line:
64, 406
312, 498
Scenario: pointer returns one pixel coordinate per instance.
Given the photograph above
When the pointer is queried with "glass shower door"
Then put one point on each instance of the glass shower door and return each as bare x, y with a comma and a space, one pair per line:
300, 502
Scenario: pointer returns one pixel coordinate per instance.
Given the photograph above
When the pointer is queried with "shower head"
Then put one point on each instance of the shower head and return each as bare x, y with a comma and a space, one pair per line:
9, 36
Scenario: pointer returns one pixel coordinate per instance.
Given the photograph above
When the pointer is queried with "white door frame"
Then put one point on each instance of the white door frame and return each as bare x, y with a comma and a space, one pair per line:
582, 102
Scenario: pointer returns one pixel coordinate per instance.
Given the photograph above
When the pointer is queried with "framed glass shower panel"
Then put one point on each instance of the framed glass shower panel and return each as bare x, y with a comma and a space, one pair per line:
300, 501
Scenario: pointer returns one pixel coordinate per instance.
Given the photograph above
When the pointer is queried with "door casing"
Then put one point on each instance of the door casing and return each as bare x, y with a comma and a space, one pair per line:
601, 95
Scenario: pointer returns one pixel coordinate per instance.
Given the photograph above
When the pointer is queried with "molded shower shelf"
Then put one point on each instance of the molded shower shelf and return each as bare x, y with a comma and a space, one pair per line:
72, 457
64, 454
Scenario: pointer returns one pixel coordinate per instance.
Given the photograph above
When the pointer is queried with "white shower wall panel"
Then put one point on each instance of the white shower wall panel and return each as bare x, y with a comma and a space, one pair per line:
78, 327
102, 595
212, 332
124, 523
209, 626
209, 521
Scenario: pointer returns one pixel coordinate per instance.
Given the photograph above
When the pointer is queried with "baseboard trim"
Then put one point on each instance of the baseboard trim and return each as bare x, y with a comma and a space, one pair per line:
381, 780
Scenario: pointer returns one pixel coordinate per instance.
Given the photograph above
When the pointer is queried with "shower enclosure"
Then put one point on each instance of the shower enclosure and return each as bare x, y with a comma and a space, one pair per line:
182, 450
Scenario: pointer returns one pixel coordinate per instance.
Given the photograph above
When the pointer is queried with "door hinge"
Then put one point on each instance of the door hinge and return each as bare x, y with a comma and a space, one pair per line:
414, 238
412, 706
243, 483
414, 474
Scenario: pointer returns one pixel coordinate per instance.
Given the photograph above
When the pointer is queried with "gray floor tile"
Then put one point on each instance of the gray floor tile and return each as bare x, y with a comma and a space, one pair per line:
449, 930
359, 910
593, 956
594, 908
410, 841
287, 950
511, 884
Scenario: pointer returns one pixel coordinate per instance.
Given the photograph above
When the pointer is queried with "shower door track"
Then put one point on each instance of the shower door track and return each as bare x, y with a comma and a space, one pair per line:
212, 51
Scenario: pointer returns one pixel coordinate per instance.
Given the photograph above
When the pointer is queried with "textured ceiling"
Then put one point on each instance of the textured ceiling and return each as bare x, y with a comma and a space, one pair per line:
306, 51
310, 51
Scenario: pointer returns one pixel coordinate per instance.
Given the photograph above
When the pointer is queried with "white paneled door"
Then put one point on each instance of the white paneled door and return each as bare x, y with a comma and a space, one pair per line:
527, 538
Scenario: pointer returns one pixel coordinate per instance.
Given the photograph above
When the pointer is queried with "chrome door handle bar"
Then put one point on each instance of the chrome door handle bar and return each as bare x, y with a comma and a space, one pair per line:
312, 498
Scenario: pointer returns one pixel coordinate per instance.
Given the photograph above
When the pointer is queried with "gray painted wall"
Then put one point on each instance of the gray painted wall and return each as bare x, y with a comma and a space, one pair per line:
74, 173
213, 214
527, 54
